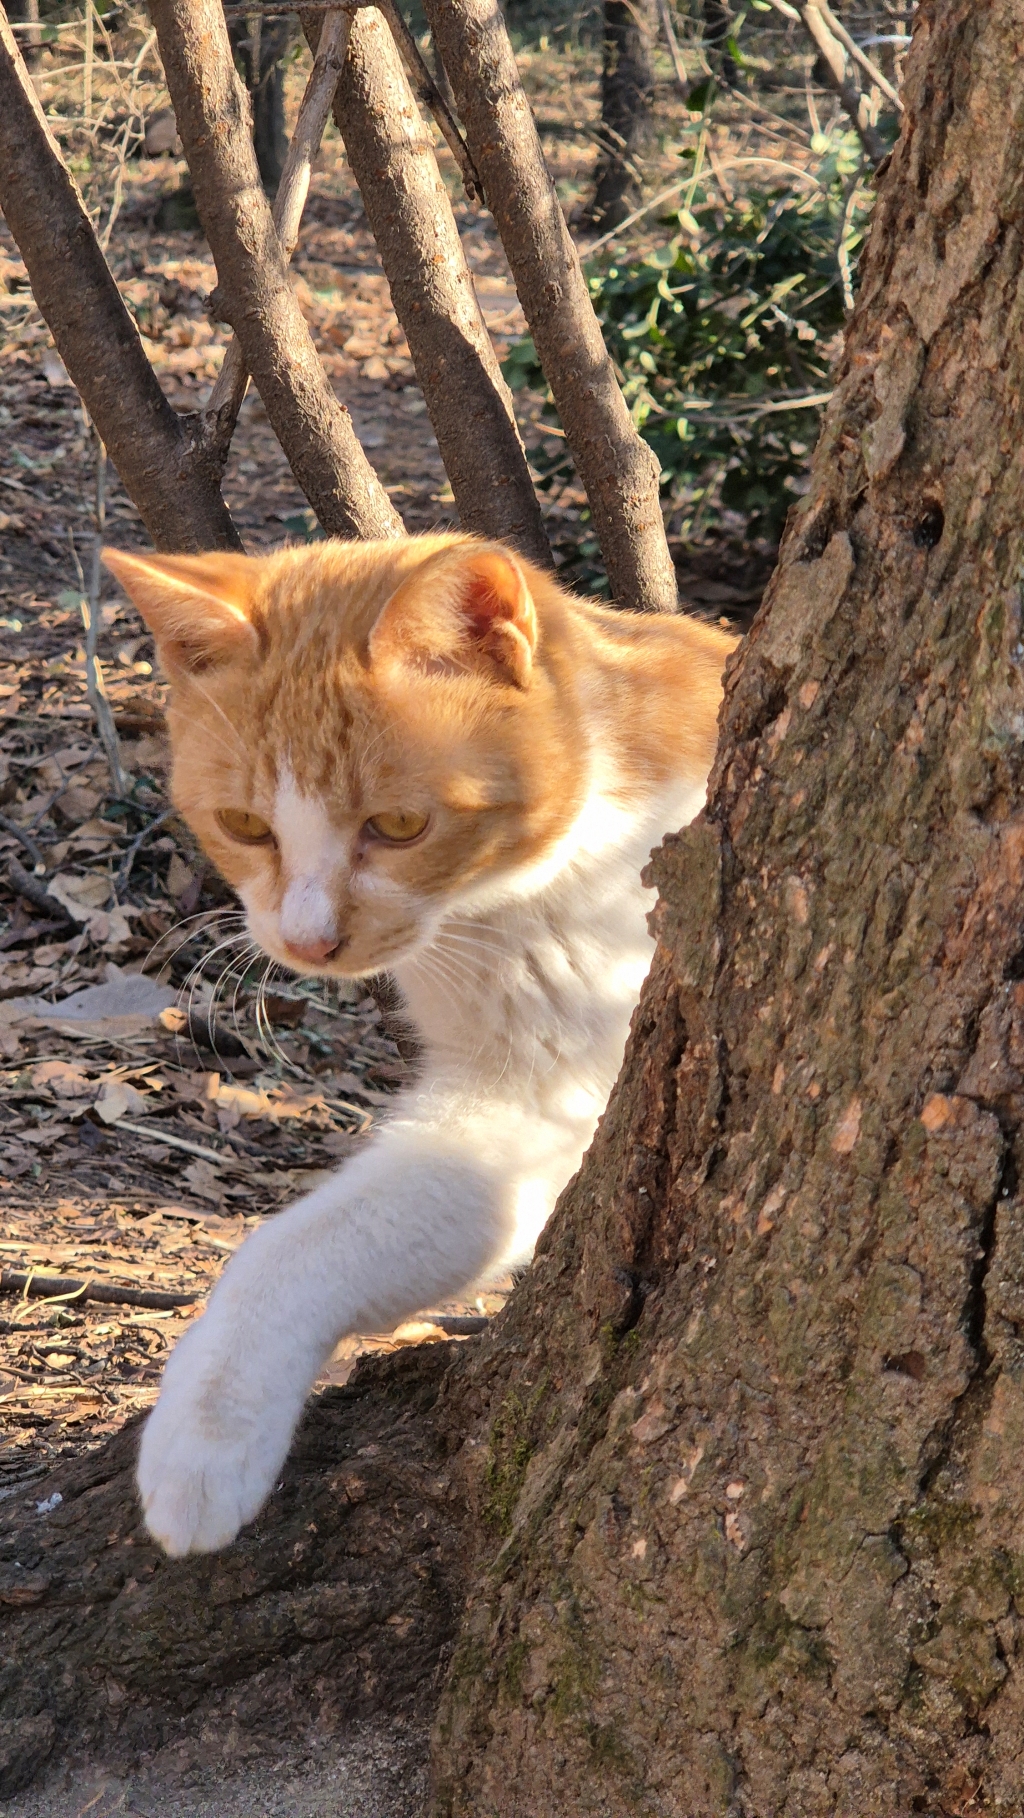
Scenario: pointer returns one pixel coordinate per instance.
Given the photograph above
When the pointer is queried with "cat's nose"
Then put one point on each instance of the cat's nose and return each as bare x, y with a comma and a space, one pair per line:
312, 951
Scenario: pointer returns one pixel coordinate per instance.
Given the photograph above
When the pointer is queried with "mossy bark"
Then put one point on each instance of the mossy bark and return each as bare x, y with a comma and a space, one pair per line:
756, 1512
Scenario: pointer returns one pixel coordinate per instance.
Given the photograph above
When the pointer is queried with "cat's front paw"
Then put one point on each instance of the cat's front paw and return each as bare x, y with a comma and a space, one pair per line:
206, 1465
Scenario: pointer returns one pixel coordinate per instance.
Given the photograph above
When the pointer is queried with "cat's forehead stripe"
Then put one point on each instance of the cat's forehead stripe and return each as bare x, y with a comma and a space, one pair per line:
309, 842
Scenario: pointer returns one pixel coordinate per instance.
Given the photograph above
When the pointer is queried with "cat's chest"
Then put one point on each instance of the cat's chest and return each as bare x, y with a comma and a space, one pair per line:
533, 999
542, 1003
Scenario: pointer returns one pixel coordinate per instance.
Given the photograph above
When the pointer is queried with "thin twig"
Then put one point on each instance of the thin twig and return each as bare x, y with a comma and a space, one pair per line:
838, 29
23, 840
669, 30
427, 91
225, 399
91, 620
90, 22
689, 183
228, 1160
125, 868
833, 64
637, 215
842, 250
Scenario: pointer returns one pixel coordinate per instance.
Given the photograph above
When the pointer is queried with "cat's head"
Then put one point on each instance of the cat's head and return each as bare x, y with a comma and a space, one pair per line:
365, 736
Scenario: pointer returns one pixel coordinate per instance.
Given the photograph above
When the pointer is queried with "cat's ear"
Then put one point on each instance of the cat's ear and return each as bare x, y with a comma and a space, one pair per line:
467, 607
197, 606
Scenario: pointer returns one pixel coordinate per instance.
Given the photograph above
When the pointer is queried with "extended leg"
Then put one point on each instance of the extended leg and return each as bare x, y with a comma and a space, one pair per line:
409, 1222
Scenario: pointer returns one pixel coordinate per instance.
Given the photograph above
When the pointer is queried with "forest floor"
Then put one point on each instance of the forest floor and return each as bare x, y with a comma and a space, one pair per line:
159, 1097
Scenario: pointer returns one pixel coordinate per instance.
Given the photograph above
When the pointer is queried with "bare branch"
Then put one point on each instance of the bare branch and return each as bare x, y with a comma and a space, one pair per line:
669, 31
24, 839
871, 70
833, 64
253, 291
28, 1282
429, 95
33, 889
225, 400
410, 214
617, 468
160, 456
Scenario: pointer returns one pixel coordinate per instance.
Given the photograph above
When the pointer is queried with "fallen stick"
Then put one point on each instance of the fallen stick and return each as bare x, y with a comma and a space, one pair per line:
34, 890
30, 1284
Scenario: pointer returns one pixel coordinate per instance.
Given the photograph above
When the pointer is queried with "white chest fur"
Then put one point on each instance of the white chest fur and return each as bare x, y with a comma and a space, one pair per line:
523, 1003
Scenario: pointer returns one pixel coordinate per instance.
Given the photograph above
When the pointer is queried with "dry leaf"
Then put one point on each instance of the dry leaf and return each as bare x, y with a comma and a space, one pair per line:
64, 1078
123, 994
119, 1099
79, 895
179, 877
203, 1179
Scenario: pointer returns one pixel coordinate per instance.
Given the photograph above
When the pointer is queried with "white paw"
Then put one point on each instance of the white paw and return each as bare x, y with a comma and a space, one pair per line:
208, 1459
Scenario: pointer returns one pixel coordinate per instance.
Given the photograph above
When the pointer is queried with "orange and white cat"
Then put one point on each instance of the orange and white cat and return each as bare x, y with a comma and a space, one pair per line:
422, 757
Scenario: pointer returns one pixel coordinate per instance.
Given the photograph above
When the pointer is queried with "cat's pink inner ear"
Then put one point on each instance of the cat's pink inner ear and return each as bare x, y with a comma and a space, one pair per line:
471, 604
197, 607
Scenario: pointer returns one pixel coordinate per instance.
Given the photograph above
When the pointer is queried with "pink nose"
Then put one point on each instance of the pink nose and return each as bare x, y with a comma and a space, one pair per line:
312, 951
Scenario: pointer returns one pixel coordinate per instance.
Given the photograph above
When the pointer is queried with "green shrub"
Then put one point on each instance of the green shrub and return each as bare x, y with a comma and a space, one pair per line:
724, 338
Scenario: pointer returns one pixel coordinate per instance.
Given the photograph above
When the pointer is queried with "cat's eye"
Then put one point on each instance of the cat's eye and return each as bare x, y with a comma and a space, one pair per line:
397, 828
239, 824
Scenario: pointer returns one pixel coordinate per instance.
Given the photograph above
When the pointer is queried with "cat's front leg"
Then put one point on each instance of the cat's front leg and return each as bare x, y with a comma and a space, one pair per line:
409, 1222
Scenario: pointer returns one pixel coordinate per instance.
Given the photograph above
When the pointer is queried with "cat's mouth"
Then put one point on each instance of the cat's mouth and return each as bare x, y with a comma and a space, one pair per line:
348, 959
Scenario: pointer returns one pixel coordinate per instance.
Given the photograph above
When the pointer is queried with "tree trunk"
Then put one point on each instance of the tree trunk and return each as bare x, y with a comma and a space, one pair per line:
627, 108
162, 458
410, 214
736, 1482
619, 471
751, 1436
340, 1599
253, 287
262, 52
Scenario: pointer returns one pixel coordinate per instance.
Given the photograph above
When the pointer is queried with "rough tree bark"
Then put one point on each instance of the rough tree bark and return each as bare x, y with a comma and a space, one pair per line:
627, 107
618, 470
342, 1602
162, 457
752, 1432
254, 292
411, 217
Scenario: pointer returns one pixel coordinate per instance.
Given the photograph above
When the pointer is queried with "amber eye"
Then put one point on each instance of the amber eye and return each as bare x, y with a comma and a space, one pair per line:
397, 828
239, 824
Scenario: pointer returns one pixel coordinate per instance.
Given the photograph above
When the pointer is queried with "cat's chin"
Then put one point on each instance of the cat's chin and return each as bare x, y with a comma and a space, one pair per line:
346, 973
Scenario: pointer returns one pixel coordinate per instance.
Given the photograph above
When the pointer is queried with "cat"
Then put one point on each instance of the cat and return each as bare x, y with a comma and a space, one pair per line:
421, 757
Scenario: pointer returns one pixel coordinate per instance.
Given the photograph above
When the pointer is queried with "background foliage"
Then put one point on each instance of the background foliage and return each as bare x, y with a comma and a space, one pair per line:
724, 334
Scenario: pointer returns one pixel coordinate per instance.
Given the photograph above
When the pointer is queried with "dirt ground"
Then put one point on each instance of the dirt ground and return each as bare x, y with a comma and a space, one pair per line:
161, 1092
379, 1773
